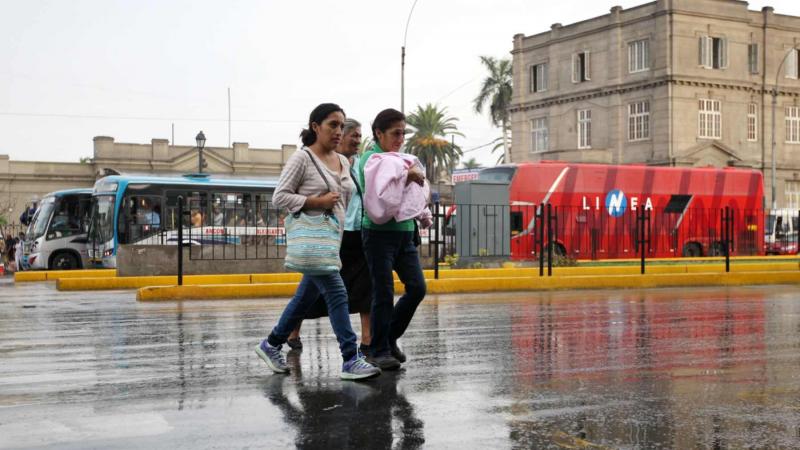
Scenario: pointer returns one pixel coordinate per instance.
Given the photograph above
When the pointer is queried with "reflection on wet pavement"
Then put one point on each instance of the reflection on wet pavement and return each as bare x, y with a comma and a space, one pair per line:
662, 368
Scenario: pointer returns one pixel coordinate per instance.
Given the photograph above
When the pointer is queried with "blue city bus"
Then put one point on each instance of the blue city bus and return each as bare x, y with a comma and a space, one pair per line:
56, 237
143, 210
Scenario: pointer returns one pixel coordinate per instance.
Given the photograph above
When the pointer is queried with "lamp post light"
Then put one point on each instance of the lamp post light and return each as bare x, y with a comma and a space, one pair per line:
403, 63
774, 104
201, 142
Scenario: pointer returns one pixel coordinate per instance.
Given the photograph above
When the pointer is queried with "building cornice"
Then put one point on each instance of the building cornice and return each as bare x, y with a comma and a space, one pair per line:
649, 84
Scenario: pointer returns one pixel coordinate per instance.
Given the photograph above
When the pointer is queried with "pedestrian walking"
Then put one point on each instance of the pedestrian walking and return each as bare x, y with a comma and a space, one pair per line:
315, 186
355, 272
390, 246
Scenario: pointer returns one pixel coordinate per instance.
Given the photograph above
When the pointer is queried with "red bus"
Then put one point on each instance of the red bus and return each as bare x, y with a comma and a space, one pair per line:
595, 208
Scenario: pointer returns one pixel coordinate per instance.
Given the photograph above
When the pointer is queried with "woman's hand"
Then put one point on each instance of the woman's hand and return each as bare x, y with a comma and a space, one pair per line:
415, 175
325, 201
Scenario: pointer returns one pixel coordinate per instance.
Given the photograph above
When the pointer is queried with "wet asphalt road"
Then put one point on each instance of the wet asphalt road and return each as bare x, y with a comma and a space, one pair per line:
677, 368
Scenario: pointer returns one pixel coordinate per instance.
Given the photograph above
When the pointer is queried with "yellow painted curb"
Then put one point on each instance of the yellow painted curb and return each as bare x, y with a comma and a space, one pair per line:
455, 285
96, 284
52, 275
110, 283
611, 282
208, 292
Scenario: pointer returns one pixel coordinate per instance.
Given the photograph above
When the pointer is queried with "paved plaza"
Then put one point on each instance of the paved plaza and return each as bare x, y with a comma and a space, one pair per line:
661, 368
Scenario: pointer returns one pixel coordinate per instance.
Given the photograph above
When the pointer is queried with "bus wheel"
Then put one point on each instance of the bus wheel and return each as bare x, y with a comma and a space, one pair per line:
717, 249
559, 250
63, 261
692, 250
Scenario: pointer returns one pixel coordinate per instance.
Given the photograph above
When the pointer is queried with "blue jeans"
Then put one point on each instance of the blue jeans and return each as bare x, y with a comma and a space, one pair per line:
332, 289
387, 251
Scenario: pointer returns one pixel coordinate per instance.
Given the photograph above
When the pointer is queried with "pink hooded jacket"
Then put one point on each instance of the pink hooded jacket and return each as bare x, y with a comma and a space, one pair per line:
387, 194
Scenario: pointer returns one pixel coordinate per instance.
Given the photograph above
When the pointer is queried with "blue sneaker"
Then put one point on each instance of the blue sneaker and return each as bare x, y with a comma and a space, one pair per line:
272, 356
358, 368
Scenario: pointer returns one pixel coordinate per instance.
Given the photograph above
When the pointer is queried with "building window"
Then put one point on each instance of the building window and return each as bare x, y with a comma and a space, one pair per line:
584, 128
713, 52
581, 65
539, 134
752, 58
539, 78
793, 195
793, 124
710, 119
792, 63
639, 56
752, 122
639, 121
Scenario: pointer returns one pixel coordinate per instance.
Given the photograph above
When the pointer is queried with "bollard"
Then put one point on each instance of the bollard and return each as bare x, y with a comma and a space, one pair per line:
540, 224
180, 240
549, 240
643, 220
436, 223
728, 223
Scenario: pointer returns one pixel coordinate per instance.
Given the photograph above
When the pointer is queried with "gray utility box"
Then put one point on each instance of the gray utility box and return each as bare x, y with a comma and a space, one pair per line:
483, 219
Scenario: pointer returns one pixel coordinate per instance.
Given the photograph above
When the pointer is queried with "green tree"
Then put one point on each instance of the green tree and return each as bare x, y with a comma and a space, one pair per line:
499, 144
471, 164
496, 92
429, 143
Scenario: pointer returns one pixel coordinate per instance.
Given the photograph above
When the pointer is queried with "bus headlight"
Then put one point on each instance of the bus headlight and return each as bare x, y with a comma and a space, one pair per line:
108, 252
752, 227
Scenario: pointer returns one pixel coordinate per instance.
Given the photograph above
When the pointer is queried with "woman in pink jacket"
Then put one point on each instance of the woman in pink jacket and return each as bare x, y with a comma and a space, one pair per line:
390, 246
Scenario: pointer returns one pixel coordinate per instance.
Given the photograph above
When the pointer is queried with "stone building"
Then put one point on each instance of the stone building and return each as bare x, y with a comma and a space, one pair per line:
22, 181
668, 83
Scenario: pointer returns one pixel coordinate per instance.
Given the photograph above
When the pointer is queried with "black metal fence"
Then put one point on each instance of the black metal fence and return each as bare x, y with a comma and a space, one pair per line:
517, 232
476, 235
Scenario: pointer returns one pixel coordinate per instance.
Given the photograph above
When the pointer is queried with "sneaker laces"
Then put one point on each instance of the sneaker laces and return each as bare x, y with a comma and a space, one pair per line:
361, 362
275, 353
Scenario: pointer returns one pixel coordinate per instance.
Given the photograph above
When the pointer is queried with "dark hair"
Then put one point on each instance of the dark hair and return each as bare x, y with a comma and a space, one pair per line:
319, 114
384, 120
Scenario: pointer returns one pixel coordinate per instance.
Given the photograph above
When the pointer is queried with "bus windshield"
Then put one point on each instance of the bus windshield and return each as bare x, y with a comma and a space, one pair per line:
102, 224
502, 174
40, 221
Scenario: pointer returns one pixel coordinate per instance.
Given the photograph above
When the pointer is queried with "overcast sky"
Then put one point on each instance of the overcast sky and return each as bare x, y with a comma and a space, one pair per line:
72, 70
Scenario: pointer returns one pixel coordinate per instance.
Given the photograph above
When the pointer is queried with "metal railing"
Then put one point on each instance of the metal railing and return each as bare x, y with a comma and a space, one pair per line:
475, 235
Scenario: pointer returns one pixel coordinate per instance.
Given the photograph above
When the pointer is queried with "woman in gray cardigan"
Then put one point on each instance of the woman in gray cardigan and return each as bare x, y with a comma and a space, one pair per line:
301, 187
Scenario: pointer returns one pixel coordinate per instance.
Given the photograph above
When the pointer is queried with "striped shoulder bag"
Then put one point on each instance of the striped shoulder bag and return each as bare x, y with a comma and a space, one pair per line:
312, 242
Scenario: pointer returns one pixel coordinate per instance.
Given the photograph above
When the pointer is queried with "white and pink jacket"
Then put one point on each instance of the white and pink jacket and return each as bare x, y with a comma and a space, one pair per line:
388, 196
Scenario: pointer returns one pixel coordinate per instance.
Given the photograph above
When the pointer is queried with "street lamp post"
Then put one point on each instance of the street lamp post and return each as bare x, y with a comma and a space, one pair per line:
403, 63
774, 104
201, 142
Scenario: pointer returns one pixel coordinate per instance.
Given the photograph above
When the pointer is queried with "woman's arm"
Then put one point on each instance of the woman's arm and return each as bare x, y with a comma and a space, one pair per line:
286, 195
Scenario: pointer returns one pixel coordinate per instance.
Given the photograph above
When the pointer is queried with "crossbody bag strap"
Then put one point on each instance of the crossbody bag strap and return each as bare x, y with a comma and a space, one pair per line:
325, 179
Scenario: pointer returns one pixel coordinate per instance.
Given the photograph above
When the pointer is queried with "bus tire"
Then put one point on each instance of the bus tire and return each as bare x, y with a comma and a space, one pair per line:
717, 249
559, 250
64, 261
692, 250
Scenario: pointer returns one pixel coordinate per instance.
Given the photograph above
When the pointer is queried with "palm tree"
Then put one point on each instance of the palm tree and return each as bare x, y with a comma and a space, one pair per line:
428, 142
499, 144
471, 164
496, 91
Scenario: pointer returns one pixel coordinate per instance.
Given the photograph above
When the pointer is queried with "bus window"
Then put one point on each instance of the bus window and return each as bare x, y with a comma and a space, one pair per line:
67, 218
516, 222
677, 204
229, 208
195, 209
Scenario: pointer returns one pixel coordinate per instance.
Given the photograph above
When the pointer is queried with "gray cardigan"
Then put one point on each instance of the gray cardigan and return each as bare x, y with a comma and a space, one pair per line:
300, 179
